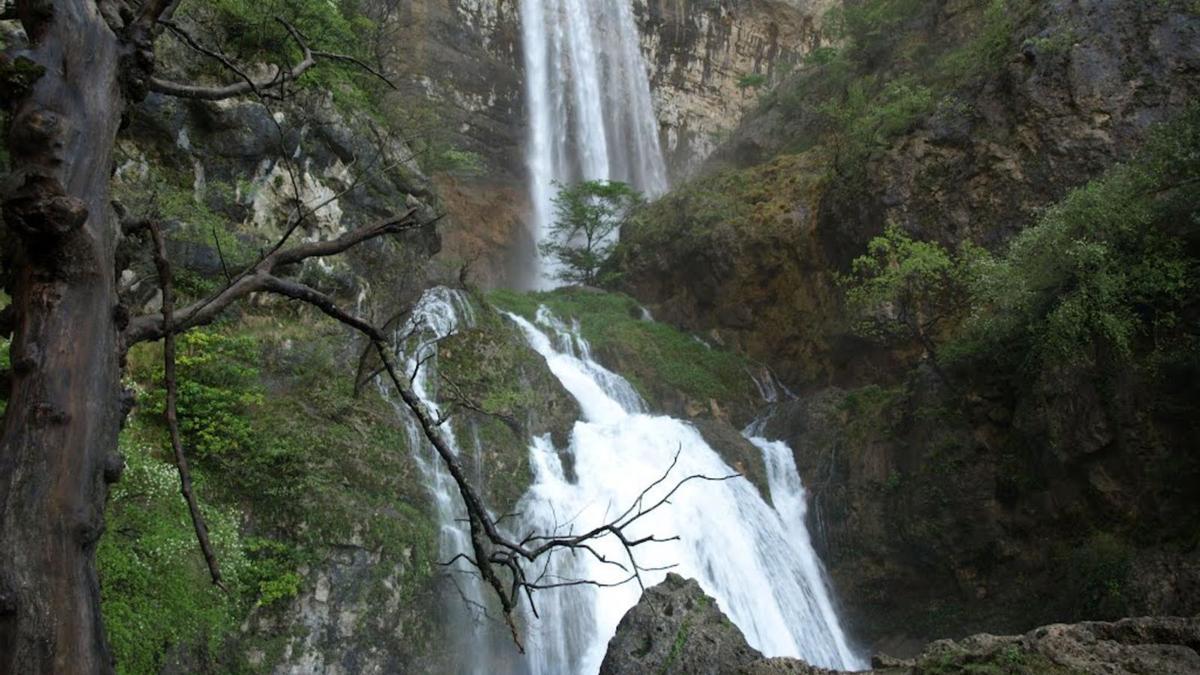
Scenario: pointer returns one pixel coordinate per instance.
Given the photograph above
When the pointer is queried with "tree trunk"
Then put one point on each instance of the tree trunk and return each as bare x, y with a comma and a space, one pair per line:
64, 408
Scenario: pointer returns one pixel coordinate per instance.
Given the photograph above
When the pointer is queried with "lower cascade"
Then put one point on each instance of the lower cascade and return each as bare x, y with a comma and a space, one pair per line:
752, 554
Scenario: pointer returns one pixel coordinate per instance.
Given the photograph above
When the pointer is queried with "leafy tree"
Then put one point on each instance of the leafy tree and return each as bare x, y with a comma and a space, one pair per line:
1110, 266
908, 289
588, 217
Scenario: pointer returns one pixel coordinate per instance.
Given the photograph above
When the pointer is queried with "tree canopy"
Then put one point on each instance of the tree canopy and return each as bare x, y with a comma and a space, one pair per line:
588, 217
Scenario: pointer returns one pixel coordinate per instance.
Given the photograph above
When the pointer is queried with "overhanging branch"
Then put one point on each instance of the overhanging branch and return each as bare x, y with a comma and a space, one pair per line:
261, 277
246, 84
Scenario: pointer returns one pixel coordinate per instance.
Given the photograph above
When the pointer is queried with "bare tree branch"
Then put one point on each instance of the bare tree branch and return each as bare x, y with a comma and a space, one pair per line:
261, 276
246, 84
170, 412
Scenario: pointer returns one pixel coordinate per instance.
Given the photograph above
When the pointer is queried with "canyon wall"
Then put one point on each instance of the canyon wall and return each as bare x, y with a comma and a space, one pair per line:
708, 61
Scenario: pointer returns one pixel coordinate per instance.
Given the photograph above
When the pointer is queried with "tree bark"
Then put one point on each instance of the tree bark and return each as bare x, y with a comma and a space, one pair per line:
57, 448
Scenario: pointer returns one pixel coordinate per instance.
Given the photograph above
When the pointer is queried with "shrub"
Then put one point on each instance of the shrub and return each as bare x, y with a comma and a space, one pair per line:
155, 587
218, 385
1105, 268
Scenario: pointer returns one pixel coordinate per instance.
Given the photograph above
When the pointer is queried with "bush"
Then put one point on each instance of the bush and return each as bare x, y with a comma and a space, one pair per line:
155, 588
1107, 268
1097, 577
218, 385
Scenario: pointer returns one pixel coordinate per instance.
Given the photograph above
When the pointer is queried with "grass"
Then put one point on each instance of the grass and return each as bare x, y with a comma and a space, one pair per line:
656, 358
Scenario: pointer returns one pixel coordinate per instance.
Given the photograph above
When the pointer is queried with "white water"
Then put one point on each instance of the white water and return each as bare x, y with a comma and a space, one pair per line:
590, 115
440, 313
755, 560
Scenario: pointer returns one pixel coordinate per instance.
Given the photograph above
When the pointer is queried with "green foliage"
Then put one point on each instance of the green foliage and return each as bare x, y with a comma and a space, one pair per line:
677, 645
308, 467
457, 162
887, 74
751, 81
1103, 272
155, 588
271, 575
655, 358
218, 385
1097, 577
903, 288
253, 34
1104, 269
870, 116
588, 217
985, 52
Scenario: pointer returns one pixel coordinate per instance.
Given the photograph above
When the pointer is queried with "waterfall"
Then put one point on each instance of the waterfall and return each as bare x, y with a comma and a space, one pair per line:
756, 560
751, 552
590, 114
438, 314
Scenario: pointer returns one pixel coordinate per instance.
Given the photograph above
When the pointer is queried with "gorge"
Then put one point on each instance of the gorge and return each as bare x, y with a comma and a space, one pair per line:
902, 344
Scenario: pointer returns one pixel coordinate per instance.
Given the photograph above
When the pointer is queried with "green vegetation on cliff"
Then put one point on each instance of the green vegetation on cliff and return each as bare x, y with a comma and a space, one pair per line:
661, 362
288, 463
1107, 274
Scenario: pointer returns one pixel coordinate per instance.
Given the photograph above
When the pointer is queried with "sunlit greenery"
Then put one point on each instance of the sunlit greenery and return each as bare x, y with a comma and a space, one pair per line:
155, 588
654, 357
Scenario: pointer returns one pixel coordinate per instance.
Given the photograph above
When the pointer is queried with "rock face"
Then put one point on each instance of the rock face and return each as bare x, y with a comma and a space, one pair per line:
676, 628
468, 55
936, 514
707, 62
1085, 82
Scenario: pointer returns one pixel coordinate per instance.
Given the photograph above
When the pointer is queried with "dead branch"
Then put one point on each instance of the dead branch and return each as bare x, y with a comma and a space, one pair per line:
261, 277
170, 412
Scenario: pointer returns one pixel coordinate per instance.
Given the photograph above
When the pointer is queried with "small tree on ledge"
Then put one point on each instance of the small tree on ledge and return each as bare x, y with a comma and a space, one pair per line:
588, 216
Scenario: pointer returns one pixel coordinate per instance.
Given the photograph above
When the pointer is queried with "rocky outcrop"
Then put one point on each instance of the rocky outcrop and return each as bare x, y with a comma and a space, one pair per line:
753, 254
710, 60
990, 508
676, 628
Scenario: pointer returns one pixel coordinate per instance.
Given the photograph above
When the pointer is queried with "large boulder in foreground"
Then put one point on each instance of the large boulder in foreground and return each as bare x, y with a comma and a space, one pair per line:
676, 628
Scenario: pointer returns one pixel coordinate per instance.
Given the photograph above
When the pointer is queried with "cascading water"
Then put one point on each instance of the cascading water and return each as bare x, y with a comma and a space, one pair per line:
591, 118
439, 313
757, 561
590, 115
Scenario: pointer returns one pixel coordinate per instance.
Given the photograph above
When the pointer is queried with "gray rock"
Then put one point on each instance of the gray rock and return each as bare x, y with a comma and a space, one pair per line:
676, 628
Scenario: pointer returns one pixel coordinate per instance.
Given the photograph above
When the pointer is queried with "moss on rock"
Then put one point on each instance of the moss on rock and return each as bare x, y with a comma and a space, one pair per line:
675, 372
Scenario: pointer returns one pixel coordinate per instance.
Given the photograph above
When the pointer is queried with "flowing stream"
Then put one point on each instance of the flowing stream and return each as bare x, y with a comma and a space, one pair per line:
590, 115
755, 559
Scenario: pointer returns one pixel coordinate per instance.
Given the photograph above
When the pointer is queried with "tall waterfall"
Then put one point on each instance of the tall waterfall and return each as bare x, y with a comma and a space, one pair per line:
590, 115
754, 558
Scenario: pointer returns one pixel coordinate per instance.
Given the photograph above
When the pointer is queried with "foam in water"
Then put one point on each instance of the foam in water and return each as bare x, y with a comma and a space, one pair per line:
755, 559
590, 115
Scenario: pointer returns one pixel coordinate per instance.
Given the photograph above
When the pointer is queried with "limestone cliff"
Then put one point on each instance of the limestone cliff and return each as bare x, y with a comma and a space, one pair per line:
707, 61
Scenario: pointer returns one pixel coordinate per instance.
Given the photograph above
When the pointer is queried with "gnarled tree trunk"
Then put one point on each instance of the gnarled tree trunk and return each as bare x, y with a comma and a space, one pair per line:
64, 408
